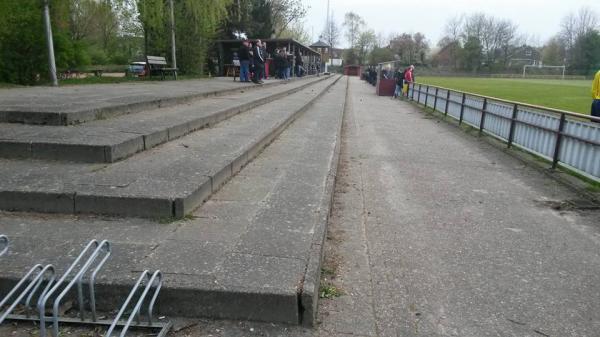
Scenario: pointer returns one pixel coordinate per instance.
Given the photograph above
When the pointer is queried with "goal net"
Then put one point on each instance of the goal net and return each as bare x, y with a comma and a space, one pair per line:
543, 71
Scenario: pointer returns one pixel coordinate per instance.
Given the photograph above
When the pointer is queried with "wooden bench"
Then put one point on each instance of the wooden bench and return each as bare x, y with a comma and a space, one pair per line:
158, 64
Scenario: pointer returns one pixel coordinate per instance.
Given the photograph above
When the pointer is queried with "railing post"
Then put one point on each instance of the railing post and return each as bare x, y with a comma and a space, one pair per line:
559, 134
513, 123
426, 96
419, 96
412, 97
482, 120
447, 102
436, 99
462, 108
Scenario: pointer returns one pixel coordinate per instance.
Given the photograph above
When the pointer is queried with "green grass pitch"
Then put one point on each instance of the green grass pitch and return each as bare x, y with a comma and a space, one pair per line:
570, 95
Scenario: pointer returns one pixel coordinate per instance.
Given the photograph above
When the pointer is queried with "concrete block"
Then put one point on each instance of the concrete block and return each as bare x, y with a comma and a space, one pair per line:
239, 163
178, 130
123, 206
124, 149
10, 149
220, 178
73, 152
185, 205
155, 138
36, 201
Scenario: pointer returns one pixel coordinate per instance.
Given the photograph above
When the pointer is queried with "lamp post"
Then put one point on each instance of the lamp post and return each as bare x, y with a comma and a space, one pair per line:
173, 53
50, 43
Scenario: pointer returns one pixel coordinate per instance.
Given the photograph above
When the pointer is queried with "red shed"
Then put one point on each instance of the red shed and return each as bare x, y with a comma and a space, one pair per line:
353, 70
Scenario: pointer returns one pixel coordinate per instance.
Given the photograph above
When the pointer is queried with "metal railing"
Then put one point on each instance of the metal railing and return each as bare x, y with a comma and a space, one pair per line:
88, 263
565, 138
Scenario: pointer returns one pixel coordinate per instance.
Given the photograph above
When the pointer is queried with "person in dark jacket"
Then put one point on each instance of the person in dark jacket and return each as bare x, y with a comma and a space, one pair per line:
299, 64
277, 64
290, 61
259, 62
244, 56
399, 77
285, 64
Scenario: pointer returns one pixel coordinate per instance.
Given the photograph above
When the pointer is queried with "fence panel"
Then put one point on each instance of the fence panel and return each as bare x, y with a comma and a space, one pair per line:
497, 121
579, 154
535, 129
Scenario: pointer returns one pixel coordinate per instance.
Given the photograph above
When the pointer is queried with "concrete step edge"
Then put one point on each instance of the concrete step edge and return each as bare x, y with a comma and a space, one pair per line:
162, 208
59, 118
92, 153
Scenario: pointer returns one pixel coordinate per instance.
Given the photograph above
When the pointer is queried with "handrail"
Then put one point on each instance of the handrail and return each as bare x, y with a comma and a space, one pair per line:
528, 105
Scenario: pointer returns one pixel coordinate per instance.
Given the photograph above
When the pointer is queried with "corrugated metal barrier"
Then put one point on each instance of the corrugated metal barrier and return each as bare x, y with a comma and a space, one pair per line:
565, 138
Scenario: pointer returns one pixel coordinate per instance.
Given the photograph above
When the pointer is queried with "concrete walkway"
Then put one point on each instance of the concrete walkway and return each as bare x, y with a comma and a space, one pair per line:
437, 233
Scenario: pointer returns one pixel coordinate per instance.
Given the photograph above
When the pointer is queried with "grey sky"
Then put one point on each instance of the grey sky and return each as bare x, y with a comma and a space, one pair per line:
537, 18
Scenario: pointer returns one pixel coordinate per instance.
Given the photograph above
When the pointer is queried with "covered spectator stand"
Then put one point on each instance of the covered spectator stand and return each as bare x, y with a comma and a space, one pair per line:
225, 48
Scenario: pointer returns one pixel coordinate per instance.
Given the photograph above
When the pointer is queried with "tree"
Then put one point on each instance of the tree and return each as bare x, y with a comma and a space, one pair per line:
452, 40
354, 24
472, 52
574, 27
379, 55
331, 32
586, 53
410, 48
196, 25
553, 53
285, 13
364, 44
22, 45
297, 32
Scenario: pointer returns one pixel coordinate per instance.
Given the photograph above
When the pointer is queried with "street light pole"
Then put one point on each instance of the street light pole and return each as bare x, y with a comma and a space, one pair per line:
50, 43
173, 53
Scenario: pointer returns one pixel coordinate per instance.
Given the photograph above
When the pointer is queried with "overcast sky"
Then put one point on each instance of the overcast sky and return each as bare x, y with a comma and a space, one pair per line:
537, 18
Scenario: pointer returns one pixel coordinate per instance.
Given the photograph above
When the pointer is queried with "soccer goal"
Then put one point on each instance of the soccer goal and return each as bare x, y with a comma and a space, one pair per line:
543, 71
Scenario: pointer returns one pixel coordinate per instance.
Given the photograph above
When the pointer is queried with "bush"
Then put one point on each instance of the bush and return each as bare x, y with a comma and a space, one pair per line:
119, 59
98, 56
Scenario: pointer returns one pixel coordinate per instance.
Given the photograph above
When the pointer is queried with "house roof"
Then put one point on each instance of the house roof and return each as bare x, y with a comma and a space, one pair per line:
319, 44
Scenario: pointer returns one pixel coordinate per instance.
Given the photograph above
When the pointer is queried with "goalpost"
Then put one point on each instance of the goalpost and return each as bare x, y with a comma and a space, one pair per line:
540, 66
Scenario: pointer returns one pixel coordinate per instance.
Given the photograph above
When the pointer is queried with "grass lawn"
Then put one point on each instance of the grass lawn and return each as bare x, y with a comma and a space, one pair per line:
570, 95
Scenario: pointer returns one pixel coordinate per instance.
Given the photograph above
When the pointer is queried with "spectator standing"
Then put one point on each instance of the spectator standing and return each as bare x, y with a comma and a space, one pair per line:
277, 64
259, 62
285, 64
596, 96
265, 54
408, 79
244, 56
399, 77
290, 63
299, 64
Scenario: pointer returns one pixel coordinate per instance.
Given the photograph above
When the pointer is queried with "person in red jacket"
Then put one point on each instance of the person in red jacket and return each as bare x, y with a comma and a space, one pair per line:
409, 78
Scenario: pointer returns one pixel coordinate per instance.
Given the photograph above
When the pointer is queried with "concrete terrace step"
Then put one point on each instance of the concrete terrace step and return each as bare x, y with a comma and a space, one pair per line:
79, 104
168, 181
120, 137
252, 252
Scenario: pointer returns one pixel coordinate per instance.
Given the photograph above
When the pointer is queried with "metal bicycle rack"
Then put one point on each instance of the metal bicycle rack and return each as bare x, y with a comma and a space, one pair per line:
3, 244
40, 283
